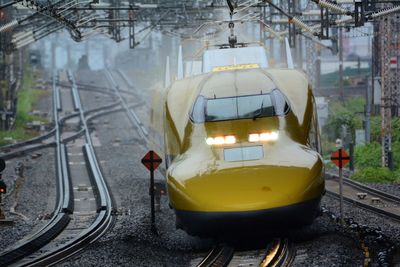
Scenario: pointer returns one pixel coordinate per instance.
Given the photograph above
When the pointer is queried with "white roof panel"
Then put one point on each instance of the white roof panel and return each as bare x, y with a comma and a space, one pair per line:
234, 56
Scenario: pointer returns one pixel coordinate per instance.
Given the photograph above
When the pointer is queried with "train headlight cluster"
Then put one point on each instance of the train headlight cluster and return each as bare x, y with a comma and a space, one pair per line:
263, 137
221, 140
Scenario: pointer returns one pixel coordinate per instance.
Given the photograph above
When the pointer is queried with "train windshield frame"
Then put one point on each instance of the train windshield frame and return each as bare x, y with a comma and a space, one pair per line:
239, 107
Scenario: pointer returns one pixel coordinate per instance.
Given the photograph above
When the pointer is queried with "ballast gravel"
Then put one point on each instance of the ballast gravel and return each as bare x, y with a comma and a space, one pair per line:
35, 197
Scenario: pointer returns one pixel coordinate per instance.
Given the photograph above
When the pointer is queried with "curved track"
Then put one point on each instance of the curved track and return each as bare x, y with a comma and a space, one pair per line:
279, 252
72, 226
129, 111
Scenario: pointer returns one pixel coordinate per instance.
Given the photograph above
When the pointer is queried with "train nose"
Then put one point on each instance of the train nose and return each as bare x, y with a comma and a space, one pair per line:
243, 189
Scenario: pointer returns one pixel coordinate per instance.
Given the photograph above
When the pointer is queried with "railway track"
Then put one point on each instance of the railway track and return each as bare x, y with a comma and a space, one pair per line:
279, 252
48, 139
133, 117
365, 197
84, 207
375, 201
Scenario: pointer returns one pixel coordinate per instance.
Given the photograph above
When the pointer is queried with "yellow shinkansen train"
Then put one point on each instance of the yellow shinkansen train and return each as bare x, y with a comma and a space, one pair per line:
242, 150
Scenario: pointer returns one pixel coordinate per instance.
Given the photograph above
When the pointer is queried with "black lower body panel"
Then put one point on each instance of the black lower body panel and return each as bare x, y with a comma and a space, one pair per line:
214, 223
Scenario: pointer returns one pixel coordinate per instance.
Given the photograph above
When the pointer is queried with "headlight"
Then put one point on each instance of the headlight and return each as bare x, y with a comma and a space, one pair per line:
221, 140
263, 137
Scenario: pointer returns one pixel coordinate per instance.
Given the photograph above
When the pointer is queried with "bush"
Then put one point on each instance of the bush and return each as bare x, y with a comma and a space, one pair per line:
344, 114
368, 155
375, 175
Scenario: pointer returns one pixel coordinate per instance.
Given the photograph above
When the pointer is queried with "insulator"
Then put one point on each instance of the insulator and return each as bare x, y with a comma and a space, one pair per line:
333, 7
21, 36
344, 21
385, 12
303, 25
272, 32
9, 26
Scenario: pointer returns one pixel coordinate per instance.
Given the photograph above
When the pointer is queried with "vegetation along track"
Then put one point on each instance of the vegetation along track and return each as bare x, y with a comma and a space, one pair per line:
279, 252
47, 139
74, 224
365, 197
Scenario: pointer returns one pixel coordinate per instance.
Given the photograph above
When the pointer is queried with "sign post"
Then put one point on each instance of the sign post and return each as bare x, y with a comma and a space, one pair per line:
151, 161
340, 159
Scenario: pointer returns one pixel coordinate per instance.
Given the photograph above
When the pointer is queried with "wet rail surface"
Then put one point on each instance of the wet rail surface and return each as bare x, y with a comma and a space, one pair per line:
278, 252
365, 197
84, 208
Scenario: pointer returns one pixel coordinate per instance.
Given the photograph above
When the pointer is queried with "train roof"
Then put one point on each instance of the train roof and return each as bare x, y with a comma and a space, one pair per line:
236, 83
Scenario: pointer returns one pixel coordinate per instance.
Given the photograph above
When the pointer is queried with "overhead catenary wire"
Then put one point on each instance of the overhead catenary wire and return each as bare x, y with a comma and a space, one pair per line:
295, 20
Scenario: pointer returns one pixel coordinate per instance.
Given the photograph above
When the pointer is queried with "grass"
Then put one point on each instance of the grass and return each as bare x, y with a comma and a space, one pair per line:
376, 175
27, 99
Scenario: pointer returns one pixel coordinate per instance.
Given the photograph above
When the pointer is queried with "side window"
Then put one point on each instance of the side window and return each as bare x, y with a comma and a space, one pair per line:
199, 107
281, 105
313, 136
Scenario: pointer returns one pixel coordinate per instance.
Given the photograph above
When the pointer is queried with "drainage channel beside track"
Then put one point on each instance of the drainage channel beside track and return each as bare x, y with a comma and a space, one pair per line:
84, 205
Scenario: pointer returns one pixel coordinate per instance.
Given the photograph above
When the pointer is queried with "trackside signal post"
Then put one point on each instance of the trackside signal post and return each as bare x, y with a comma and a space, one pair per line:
3, 188
340, 159
151, 161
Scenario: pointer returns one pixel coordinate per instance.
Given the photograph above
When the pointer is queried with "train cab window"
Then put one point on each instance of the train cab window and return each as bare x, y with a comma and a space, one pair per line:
220, 109
255, 106
240, 107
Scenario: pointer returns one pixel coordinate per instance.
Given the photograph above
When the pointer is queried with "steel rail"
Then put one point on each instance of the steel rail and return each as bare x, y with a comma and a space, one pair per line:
104, 217
281, 253
101, 111
131, 114
64, 205
220, 255
99, 89
376, 210
60, 218
373, 192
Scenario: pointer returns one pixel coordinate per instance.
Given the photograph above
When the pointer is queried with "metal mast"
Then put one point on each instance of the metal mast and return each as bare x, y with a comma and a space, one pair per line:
389, 44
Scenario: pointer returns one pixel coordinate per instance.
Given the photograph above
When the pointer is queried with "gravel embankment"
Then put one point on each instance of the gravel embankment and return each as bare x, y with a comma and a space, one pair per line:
36, 195
388, 227
390, 188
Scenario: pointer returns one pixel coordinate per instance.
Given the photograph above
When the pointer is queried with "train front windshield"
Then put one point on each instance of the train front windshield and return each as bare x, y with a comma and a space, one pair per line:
239, 107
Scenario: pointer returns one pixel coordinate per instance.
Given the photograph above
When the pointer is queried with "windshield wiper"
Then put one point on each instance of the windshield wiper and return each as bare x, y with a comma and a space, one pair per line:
259, 112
